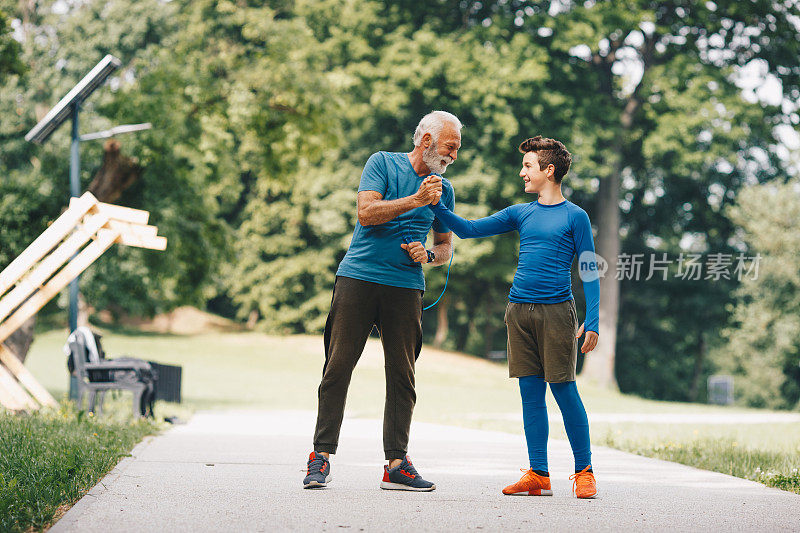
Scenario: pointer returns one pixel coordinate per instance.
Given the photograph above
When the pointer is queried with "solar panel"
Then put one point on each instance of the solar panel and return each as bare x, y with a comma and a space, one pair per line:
62, 110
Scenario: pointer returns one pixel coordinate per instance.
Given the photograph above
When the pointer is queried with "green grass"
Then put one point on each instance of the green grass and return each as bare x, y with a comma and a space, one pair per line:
252, 370
262, 371
773, 468
50, 459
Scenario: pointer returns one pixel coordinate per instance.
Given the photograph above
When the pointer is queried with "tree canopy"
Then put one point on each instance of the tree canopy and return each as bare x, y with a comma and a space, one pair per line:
264, 113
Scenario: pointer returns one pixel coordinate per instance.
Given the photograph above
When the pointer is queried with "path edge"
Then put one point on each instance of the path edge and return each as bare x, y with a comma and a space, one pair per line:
74, 513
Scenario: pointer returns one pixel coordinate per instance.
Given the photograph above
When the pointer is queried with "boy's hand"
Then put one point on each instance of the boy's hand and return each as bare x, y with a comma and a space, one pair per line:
430, 190
589, 342
439, 193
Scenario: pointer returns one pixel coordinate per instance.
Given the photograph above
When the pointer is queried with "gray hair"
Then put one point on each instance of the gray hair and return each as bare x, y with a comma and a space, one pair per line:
433, 123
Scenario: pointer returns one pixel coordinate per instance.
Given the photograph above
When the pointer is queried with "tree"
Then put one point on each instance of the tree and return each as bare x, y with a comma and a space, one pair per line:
9, 51
394, 71
24, 213
620, 63
762, 347
20, 341
265, 112
268, 117
60, 47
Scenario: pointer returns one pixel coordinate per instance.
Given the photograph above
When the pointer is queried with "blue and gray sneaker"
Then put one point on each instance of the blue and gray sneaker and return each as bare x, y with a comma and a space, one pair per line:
318, 473
405, 477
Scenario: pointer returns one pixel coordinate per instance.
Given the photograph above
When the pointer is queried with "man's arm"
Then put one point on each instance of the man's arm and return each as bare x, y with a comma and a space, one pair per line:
442, 249
374, 210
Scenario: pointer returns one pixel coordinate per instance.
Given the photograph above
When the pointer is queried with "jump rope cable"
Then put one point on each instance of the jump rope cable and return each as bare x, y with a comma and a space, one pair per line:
408, 240
452, 253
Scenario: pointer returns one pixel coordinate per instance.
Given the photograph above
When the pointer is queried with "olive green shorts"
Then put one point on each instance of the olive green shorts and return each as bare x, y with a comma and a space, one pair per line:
541, 340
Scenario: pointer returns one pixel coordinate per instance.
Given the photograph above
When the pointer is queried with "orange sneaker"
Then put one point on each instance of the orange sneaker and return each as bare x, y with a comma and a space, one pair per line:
530, 484
583, 484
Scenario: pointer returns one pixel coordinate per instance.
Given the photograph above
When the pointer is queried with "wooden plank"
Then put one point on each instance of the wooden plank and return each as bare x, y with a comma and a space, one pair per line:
153, 243
8, 401
15, 391
145, 232
25, 378
45, 242
105, 238
125, 214
50, 264
121, 213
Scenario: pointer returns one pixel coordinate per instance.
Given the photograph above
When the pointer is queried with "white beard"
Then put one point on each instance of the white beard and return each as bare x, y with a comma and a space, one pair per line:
436, 162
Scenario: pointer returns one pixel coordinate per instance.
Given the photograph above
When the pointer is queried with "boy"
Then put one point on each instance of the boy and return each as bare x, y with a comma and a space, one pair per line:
541, 318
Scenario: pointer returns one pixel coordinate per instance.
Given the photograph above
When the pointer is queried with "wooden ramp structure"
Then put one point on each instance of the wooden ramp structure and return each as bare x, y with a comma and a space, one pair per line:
65, 249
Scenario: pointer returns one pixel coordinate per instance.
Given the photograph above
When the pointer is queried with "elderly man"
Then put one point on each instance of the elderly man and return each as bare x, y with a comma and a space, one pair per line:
380, 283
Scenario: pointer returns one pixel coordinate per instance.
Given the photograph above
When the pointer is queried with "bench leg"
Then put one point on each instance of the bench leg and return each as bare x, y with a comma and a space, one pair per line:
101, 397
79, 399
137, 403
91, 400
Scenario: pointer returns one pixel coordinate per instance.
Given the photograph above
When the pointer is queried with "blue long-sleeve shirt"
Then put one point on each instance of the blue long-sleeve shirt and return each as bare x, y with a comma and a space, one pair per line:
550, 238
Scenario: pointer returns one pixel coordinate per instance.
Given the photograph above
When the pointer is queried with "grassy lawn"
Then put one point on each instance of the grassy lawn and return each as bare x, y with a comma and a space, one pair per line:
51, 459
252, 370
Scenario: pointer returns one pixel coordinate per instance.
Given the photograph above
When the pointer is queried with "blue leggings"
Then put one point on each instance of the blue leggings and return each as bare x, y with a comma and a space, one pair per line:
534, 415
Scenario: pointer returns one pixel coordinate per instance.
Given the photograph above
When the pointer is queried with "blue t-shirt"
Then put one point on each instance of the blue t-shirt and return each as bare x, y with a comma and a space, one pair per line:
550, 237
375, 254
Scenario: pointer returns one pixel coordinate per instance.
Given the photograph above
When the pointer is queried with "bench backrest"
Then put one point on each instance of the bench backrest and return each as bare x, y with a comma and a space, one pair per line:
83, 347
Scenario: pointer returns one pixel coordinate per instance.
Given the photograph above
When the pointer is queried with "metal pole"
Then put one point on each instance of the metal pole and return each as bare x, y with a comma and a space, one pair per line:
75, 191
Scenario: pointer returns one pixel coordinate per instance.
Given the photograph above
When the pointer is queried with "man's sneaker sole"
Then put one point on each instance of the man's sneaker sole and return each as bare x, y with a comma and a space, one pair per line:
536, 492
592, 497
317, 484
388, 485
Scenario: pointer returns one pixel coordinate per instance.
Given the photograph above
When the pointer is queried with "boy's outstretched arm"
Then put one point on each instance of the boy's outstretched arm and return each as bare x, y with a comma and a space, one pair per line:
584, 247
500, 222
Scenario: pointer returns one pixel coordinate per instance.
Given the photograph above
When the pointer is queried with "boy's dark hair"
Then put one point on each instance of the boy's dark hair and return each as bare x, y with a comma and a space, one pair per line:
549, 152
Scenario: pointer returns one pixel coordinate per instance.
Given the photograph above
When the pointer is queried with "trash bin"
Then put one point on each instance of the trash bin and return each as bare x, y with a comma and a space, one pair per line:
720, 389
168, 387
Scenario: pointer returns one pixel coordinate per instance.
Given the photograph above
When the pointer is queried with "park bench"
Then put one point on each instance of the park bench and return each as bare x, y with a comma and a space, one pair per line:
96, 375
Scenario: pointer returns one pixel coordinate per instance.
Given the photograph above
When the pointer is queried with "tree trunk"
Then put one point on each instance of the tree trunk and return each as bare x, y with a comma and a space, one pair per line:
117, 173
598, 366
463, 333
83, 312
699, 359
20, 341
488, 337
252, 319
441, 323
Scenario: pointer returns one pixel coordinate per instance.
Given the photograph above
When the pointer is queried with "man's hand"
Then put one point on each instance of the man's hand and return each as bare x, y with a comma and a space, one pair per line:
589, 342
430, 190
416, 251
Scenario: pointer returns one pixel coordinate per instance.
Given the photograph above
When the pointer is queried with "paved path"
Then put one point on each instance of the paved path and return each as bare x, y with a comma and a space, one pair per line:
242, 471
663, 418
